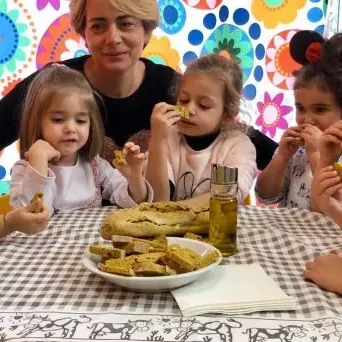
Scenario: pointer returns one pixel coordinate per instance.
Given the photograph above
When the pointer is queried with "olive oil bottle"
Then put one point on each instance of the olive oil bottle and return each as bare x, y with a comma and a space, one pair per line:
223, 208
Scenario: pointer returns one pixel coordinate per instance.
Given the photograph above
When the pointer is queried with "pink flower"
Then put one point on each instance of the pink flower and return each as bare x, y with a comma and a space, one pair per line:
41, 4
272, 114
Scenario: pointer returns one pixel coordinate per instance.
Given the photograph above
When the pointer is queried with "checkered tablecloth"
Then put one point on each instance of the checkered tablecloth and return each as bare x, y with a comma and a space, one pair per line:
45, 272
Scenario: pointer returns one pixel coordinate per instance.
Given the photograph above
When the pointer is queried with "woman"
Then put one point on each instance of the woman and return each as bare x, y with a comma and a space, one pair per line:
127, 86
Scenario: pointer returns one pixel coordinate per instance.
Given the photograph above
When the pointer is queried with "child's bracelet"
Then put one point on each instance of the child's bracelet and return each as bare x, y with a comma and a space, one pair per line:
8, 228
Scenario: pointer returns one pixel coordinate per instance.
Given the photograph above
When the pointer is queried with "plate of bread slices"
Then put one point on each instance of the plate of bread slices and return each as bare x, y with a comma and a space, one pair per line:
156, 264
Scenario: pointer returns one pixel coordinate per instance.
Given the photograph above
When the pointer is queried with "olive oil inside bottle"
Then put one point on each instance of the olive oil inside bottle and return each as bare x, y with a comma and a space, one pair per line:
223, 224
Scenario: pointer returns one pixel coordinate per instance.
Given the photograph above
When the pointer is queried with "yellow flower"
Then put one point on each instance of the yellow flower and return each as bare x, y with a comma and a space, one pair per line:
159, 51
274, 12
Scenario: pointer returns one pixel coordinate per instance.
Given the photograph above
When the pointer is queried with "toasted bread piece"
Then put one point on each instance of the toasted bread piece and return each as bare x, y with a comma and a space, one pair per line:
121, 240
208, 259
38, 196
161, 239
149, 269
338, 167
172, 265
193, 236
107, 252
149, 257
120, 262
136, 247
122, 269
183, 112
182, 259
119, 157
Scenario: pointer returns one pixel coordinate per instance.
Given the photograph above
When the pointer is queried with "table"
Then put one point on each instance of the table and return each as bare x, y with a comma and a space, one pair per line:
47, 294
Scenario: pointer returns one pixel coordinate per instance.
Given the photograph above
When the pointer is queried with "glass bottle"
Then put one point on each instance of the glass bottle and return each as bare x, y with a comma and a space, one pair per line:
223, 208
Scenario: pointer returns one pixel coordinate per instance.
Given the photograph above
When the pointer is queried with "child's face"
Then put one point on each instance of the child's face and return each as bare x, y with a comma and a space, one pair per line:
203, 98
316, 107
65, 125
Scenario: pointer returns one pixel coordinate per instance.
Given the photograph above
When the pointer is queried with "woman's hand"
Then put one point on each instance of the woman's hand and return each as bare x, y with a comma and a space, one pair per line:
162, 118
325, 271
31, 219
288, 144
330, 144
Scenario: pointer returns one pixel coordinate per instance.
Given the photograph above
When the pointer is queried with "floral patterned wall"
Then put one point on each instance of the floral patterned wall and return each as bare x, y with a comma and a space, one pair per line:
255, 32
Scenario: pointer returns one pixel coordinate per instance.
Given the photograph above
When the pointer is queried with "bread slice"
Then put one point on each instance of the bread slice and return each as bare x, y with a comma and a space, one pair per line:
338, 167
107, 252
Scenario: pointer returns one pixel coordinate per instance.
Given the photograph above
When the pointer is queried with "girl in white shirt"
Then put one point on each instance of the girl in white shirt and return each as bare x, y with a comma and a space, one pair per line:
60, 140
182, 150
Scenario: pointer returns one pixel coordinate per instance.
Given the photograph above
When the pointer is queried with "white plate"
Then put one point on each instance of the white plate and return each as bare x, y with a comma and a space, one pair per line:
157, 284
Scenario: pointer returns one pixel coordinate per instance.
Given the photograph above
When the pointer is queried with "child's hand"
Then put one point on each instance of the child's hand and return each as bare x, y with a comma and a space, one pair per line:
330, 144
27, 219
41, 150
325, 271
311, 135
162, 118
133, 168
326, 191
288, 144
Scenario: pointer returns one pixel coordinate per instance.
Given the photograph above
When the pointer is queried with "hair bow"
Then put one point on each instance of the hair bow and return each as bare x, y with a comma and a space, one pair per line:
313, 52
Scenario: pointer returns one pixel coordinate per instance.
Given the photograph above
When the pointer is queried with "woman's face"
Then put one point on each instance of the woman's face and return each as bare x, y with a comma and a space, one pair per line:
114, 39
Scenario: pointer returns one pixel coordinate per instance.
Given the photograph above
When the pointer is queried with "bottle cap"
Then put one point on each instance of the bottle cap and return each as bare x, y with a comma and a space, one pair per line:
221, 174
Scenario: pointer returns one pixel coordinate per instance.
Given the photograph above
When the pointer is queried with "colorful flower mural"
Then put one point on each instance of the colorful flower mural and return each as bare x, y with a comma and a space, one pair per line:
272, 113
275, 12
74, 48
16, 27
159, 50
279, 63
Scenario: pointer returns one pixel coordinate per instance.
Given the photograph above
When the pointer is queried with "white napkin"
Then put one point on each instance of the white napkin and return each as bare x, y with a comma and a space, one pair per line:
231, 290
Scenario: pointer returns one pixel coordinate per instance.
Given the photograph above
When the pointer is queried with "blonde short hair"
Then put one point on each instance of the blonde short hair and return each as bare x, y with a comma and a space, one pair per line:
52, 80
145, 10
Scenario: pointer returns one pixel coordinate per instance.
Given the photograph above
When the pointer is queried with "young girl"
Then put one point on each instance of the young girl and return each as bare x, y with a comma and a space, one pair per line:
60, 139
182, 150
287, 179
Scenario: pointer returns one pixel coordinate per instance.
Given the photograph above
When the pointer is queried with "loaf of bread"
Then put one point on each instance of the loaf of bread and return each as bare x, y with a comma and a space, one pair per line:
153, 219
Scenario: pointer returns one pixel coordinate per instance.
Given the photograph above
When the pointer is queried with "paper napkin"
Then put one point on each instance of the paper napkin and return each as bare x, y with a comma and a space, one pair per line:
233, 289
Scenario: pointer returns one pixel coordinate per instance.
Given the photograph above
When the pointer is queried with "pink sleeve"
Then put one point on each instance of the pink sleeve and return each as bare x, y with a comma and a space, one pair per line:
26, 181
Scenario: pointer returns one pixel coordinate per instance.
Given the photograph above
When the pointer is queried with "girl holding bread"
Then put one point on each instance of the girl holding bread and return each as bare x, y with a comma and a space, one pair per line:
60, 140
186, 139
288, 177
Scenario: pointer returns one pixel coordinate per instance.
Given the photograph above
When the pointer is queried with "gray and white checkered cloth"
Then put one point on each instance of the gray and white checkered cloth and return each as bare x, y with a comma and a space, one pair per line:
45, 272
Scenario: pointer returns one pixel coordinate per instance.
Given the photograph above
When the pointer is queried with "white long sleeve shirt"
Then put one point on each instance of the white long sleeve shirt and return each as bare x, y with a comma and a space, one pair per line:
190, 171
68, 188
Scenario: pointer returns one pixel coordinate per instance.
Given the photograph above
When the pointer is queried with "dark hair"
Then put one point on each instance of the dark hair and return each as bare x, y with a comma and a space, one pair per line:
59, 79
323, 70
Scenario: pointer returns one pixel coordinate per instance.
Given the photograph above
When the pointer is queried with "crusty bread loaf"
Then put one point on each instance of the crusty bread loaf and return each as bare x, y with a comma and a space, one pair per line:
153, 219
